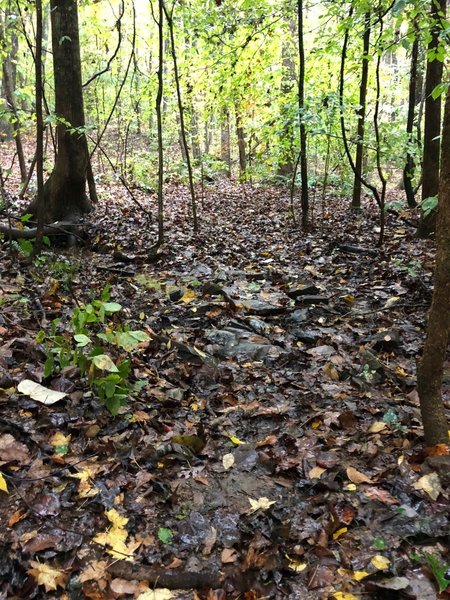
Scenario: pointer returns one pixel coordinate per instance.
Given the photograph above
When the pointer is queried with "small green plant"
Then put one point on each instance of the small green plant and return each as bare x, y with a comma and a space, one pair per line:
428, 205
95, 350
391, 418
440, 570
411, 268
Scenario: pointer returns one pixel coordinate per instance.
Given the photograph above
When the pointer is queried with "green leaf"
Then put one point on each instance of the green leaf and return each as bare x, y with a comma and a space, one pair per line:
82, 340
165, 535
428, 205
128, 340
112, 307
439, 570
103, 362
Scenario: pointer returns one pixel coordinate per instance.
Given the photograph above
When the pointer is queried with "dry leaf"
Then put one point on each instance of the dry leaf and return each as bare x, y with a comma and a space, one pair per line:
47, 576
158, 594
228, 461
377, 427
262, 503
39, 393
431, 484
356, 476
229, 555
380, 562
3, 484
316, 472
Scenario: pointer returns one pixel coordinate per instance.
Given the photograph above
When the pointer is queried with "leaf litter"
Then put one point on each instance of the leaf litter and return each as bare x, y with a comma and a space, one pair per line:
274, 449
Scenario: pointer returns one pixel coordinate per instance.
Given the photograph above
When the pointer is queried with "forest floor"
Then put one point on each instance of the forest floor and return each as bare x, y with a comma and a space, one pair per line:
274, 448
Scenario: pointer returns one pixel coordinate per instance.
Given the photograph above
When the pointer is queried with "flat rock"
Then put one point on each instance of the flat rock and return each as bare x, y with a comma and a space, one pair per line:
304, 289
261, 308
232, 342
312, 299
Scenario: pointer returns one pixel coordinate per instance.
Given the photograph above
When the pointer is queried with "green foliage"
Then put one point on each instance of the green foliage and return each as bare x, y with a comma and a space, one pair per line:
440, 570
95, 350
429, 205
165, 535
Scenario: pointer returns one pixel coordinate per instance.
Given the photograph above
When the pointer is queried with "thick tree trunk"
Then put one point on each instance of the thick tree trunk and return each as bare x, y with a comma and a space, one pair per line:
357, 185
429, 378
65, 190
432, 125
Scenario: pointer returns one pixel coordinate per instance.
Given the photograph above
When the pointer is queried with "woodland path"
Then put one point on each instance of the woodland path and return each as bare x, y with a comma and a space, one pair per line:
276, 449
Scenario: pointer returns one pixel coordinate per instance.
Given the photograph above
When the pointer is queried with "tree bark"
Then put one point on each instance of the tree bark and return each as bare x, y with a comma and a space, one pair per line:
225, 147
408, 171
432, 124
357, 185
65, 190
429, 378
241, 145
301, 110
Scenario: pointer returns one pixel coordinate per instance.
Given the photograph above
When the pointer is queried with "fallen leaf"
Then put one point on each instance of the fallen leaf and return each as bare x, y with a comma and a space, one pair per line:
377, 427
228, 461
47, 576
380, 562
39, 393
355, 575
96, 570
188, 296
229, 555
157, 594
236, 441
12, 450
3, 484
316, 472
356, 476
262, 503
431, 484
337, 534
380, 495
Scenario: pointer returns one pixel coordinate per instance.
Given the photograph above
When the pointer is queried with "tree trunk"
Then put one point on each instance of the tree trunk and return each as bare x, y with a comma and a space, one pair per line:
357, 185
241, 145
301, 110
408, 171
432, 126
288, 77
65, 190
225, 148
429, 379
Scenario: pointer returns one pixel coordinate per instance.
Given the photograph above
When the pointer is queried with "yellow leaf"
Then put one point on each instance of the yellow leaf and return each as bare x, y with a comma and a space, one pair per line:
392, 301
47, 576
344, 596
377, 427
236, 441
355, 575
349, 298
59, 439
199, 352
337, 534
116, 519
380, 562
351, 487
316, 424
431, 484
188, 296
228, 461
262, 503
3, 484
297, 566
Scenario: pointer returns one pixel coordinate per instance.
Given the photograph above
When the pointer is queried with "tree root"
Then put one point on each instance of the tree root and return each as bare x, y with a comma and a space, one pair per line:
58, 228
166, 578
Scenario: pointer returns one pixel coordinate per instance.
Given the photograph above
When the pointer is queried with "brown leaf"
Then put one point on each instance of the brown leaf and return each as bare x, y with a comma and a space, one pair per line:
229, 555
356, 476
12, 450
